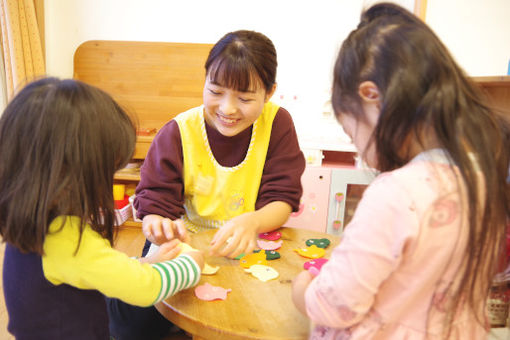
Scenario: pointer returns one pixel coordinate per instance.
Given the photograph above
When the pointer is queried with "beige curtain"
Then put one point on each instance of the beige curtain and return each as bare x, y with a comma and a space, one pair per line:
21, 44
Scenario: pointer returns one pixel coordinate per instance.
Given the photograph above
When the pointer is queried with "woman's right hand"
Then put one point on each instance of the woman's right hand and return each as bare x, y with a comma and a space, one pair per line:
158, 229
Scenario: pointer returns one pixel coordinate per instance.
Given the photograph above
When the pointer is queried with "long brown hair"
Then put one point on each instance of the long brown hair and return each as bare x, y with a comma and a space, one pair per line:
61, 142
422, 86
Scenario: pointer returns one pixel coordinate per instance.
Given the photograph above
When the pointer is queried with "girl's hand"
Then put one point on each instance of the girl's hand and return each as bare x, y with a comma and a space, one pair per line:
166, 251
299, 285
241, 233
158, 229
198, 256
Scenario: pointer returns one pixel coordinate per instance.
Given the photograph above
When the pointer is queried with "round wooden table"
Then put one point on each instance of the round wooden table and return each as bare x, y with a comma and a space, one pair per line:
253, 309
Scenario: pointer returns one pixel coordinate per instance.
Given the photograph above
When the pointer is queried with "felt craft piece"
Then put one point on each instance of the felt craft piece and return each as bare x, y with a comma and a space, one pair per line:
271, 235
209, 270
270, 254
263, 273
208, 292
312, 252
316, 263
319, 242
240, 256
251, 259
269, 245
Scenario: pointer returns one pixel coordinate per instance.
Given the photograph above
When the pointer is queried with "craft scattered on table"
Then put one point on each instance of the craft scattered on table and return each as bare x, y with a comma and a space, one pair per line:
316, 263
263, 273
270, 254
271, 235
240, 256
208, 292
312, 252
269, 245
209, 270
319, 242
252, 259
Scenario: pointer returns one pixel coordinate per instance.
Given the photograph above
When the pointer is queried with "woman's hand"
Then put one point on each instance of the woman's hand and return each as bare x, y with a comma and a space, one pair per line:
158, 229
236, 236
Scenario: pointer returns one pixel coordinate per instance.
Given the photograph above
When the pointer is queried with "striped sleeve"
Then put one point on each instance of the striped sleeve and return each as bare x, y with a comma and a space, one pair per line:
176, 275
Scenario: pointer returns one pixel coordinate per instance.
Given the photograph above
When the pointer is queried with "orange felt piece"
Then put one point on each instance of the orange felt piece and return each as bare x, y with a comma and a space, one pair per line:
312, 252
255, 258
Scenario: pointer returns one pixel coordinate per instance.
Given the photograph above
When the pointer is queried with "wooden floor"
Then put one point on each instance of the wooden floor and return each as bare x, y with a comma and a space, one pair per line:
129, 240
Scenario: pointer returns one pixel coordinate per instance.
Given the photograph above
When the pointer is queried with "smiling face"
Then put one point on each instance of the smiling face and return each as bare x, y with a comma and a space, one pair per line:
231, 111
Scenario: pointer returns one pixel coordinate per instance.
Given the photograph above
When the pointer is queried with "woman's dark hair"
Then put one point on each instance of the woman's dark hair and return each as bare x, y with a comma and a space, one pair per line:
421, 87
238, 56
61, 142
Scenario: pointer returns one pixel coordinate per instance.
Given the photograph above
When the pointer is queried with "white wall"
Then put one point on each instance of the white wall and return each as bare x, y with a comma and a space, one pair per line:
306, 34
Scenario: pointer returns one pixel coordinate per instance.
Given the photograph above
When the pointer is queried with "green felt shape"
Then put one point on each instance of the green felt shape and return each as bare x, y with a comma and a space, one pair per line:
240, 256
270, 254
319, 242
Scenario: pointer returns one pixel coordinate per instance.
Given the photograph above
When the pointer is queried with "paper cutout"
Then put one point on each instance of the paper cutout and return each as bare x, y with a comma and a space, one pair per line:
319, 242
271, 236
263, 273
240, 256
269, 245
312, 252
208, 292
209, 270
270, 254
252, 259
316, 263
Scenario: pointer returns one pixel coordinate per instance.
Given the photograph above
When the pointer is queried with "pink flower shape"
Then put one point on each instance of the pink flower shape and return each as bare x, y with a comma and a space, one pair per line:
269, 245
271, 236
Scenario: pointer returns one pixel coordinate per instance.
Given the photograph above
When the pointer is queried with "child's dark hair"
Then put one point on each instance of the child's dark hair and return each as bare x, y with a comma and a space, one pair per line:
61, 142
238, 56
421, 86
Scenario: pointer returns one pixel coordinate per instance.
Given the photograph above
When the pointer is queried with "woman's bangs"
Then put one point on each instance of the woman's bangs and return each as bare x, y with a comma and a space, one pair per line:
233, 74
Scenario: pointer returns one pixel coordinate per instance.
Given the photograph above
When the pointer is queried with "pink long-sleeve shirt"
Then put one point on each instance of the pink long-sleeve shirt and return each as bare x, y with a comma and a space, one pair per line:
404, 245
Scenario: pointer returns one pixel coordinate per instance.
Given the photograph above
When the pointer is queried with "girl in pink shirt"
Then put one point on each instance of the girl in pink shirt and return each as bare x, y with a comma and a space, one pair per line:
417, 259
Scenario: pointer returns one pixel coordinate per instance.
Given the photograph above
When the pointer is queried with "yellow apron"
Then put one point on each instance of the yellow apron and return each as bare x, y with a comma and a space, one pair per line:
213, 194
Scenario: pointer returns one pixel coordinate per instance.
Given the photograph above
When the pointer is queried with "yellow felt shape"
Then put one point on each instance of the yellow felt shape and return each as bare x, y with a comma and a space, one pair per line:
255, 258
209, 270
312, 252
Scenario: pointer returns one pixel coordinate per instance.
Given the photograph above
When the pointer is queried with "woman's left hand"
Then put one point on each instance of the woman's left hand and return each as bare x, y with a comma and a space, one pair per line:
236, 236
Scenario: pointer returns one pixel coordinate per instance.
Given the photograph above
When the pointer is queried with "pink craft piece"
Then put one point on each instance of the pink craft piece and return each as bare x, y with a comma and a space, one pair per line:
316, 264
269, 245
208, 292
271, 236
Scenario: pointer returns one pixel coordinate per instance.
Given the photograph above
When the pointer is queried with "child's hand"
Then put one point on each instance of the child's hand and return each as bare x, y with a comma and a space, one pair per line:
299, 285
159, 230
166, 251
198, 256
241, 231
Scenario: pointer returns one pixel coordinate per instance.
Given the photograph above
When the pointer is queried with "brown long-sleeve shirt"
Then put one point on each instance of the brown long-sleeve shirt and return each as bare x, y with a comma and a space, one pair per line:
161, 188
